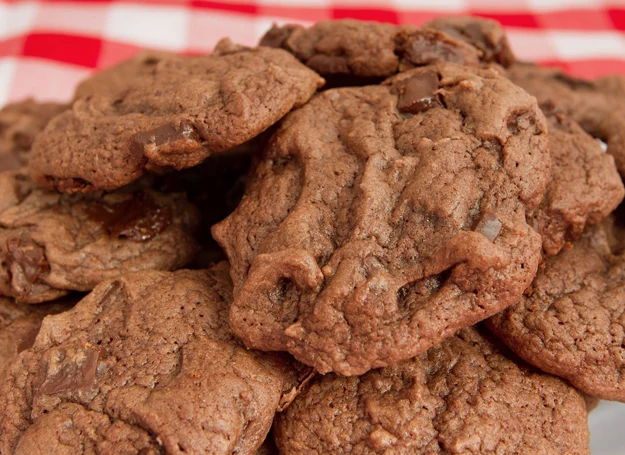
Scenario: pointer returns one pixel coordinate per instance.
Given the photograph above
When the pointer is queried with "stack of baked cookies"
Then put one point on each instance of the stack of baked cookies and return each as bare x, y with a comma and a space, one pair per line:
425, 252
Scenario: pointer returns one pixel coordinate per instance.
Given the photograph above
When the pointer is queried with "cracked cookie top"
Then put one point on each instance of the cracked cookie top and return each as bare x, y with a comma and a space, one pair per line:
51, 243
144, 364
382, 219
464, 396
174, 116
571, 322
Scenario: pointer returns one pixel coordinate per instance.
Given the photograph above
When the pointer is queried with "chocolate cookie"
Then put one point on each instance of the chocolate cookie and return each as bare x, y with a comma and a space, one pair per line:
52, 243
368, 49
144, 364
382, 219
585, 186
599, 111
19, 325
486, 35
571, 321
19, 124
182, 111
464, 396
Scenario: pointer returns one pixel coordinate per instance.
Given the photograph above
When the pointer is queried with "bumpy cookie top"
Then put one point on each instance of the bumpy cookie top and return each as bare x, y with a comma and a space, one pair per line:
597, 109
368, 49
143, 364
382, 219
19, 325
585, 186
465, 396
176, 115
51, 243
571, 323
19, 124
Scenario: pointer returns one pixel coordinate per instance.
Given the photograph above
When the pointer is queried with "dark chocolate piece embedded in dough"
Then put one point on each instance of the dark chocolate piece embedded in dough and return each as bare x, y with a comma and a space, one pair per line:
355, 247
486, 35
52, 243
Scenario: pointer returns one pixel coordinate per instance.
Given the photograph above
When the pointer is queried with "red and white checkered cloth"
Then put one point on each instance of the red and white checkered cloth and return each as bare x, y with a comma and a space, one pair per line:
47, 46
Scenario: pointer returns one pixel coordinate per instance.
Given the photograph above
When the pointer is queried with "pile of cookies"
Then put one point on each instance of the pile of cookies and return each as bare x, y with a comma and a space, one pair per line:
365, 238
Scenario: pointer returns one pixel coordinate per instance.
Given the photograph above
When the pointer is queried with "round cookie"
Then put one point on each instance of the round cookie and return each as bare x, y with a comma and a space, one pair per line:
19, 325
19, 124
182, 111
52, 243
367, 49
598, 110
144, 364
382, 219
585, 186
485, 34
464, 396
571, 321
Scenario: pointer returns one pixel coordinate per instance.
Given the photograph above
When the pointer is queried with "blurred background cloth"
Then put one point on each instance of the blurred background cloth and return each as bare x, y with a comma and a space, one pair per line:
47, 46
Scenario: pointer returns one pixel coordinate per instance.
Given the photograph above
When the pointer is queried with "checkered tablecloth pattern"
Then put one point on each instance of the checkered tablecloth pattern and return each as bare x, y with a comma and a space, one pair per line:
47, 46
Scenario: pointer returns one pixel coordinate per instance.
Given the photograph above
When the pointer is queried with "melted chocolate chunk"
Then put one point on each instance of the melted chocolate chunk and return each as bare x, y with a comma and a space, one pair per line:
417, 94
30, 256
489, 226
69, 369
167, 138
139, 218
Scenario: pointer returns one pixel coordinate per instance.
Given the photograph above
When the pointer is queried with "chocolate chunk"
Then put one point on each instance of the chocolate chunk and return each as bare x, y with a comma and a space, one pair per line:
417, 94
68, 369
489, 226
28, 255
167, 139
486, 35
139, 218
432, 46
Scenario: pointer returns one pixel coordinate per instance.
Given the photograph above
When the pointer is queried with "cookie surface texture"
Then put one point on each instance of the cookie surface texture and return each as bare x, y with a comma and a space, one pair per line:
465, 396
571, 321
382, 219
